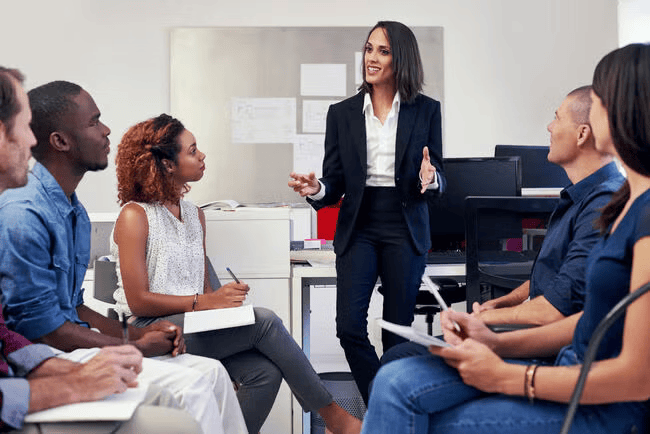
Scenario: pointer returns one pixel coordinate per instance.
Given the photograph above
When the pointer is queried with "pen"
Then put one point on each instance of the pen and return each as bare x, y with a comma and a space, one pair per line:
125, 330
432, 288
232, 274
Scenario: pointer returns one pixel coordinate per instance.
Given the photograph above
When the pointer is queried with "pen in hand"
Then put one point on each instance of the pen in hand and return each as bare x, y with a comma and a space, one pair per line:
232, 274
125, 330
432, 288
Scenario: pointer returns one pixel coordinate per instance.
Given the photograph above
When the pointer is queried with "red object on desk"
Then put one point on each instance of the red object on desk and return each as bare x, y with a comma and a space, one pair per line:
326, 221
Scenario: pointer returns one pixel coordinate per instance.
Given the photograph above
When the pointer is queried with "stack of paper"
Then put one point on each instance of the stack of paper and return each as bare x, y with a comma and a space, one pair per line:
215, 319
411, 334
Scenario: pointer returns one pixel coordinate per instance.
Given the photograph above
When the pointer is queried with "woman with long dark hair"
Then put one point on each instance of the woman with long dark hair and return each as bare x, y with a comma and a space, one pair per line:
468, 388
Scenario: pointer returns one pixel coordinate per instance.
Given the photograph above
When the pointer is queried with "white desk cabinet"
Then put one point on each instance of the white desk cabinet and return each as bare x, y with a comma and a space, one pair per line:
254, 243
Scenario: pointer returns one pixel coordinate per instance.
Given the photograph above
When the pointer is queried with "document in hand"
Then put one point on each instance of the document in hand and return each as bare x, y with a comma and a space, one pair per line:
215, 319
119, 406
411, 334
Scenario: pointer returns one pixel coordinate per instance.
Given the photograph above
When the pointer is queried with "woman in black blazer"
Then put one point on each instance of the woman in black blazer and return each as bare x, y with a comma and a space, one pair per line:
383, 151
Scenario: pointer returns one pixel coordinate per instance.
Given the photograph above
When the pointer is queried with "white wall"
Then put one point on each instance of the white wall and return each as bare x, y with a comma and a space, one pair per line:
633, 21
508, 63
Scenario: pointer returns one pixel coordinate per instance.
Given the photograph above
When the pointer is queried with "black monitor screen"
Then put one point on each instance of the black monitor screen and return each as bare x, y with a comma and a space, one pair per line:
536, 170
498, 176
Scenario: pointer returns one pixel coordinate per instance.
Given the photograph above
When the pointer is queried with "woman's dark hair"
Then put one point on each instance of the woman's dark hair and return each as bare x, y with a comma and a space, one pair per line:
141, 172
622, 82
407, 64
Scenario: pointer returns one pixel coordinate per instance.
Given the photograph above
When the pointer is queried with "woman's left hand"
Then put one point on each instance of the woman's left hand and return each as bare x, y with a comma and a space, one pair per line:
427, 170
477, 365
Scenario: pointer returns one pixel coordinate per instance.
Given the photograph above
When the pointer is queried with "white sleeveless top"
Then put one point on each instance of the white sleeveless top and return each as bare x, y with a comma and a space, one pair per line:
174, 253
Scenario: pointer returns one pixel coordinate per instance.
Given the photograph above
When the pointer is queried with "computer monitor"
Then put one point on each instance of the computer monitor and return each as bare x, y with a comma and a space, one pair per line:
536, 170
489, 176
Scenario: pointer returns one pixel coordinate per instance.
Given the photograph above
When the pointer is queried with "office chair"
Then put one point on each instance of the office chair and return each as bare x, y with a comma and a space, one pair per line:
106, 284
426, 304
592, 348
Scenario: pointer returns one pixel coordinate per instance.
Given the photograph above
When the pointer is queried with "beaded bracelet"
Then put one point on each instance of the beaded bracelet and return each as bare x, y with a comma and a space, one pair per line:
196, 299
529, 382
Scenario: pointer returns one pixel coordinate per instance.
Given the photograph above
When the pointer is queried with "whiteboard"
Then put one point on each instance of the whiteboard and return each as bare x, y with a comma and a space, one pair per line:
254, 75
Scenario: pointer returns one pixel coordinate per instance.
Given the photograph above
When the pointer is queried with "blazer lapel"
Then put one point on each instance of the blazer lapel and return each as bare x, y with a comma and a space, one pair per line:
358, 130
405, 123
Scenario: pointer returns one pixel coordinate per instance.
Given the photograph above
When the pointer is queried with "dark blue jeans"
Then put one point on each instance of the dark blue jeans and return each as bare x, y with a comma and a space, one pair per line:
422, 394
380, 247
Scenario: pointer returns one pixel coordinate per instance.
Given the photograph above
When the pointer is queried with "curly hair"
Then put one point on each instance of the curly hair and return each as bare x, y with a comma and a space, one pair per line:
141, 172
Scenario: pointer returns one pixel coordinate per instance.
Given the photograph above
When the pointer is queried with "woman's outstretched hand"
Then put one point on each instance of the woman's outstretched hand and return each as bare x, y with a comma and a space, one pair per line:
427, 170
304, 185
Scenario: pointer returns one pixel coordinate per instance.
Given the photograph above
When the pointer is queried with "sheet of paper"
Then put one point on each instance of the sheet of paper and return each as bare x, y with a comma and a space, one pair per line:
358, 75
314, 115
119, 406
323, 79
411, 334
308, 153
263, 120
215, 319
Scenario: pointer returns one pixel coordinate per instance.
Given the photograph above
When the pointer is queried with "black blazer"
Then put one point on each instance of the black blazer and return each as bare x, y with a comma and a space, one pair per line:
345, 164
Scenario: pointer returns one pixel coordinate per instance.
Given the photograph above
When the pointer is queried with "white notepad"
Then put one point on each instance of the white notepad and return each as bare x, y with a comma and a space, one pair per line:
411, 334
214, 319
119, 406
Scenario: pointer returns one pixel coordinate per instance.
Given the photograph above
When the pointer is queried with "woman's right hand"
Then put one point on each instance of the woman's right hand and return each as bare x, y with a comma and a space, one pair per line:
229, 295
304, 185
471, 327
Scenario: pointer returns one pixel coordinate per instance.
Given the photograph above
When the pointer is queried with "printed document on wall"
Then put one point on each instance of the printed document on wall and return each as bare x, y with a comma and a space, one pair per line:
323, 79
314, 115
263, 120
308, 153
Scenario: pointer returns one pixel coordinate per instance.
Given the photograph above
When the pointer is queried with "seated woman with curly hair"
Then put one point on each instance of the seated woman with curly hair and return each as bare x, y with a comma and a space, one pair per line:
159, 245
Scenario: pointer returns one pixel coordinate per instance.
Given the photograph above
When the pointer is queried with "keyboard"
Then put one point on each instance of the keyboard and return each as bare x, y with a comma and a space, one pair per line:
446, 257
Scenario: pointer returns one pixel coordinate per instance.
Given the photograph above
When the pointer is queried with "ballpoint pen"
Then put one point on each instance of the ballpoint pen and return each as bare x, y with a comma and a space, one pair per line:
125, 330
232, 274
432, 288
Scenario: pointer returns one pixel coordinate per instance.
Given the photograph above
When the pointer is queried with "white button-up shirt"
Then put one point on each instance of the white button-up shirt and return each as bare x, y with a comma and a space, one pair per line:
380, 144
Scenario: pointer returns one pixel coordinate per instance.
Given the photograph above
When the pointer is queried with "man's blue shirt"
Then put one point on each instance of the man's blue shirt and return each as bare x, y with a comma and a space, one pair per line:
45, 239
559, 270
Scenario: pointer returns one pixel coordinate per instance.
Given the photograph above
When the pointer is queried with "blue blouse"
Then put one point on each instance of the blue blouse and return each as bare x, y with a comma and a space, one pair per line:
608, 279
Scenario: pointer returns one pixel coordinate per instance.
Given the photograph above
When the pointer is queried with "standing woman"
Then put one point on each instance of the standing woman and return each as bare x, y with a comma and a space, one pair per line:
159, 245
383, 151
467, 388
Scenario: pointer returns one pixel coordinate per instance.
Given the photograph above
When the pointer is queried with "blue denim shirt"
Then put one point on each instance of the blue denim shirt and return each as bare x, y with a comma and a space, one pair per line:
45, 239
559, 270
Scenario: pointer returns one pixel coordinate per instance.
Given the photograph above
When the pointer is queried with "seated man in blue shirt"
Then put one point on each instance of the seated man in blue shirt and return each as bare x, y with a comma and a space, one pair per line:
31, 378
557, 282
45, 250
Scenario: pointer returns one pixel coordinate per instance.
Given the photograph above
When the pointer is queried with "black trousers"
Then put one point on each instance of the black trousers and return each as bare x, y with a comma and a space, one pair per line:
380, 247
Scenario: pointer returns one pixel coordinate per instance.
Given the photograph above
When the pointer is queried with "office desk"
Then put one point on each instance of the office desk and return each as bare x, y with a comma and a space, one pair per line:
302, 278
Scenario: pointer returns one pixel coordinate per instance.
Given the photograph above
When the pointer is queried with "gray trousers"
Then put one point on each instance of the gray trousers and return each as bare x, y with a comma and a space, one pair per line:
258, 357
159, 413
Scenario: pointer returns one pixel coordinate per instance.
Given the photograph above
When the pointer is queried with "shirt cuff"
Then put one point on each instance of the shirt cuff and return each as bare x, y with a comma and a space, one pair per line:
320, 194
29, 357
15, 401
434, 185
